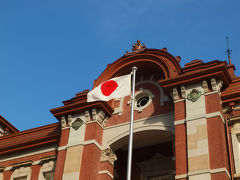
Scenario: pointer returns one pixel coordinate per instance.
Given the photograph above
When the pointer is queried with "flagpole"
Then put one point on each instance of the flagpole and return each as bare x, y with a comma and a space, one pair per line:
130, 142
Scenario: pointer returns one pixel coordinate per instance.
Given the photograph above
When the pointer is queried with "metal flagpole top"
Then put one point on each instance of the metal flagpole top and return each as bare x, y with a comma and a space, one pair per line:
134, 68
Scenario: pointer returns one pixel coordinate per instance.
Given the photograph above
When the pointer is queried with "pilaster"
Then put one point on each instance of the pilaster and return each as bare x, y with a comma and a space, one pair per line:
106, 167
35, 171
180, 138
200, 139
74, 147
92, 148
62, 149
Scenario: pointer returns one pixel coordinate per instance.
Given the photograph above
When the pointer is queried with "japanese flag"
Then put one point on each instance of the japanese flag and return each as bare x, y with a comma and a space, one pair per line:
113, 88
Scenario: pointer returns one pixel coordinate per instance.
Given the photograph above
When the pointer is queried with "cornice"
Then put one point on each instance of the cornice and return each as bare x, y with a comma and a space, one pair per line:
215, 71
79, 104
30, 139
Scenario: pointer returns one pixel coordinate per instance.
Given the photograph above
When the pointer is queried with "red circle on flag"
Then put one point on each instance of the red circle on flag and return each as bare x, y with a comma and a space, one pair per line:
108, 87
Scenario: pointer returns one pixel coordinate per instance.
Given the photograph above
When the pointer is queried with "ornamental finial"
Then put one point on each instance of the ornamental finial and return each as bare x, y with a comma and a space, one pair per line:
138, 45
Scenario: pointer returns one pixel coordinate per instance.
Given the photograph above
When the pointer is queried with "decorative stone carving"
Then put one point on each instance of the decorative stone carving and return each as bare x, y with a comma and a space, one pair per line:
175, 94
194, 95
77, 123
70, 120
105, 122
63, 122
22, 171
183, 92
87, 116
141, 94
47, 166
214, 84
99, 116
220, 83
4, 130
205, 86
94, 114
119, 109
136, 48
138, 45
108, 155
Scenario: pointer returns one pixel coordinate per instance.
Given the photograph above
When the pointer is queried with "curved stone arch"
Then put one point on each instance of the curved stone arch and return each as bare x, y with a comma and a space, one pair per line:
163, 98
145, 128
163, 61
115, 133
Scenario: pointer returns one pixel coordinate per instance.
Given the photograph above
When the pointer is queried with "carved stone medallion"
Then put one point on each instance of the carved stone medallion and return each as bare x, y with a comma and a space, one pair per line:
194, 95
77, 123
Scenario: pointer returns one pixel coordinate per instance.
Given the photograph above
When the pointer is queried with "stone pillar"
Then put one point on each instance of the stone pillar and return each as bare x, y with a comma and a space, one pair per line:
35, 171
106, 167
200, 138
180, 137
77, 125
197, 136
7, 174
61, 155
217, 140
91, 151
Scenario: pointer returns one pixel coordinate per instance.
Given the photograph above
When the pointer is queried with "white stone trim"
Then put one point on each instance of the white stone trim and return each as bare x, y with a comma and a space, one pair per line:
36, 162
181, 176
209, 115
93, 142
105, 172
8, 168
213, 92
62, 148
114, 133
30, 153
214, 114
179, 100
90, 122
195, 117
178, 122
211, 171
65, 127
143, 119
118, 110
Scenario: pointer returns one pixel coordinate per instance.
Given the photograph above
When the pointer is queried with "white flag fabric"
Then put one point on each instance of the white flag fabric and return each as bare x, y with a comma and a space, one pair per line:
113, 88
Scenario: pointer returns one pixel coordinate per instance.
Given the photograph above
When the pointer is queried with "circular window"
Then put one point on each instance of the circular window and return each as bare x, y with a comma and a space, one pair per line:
142, 101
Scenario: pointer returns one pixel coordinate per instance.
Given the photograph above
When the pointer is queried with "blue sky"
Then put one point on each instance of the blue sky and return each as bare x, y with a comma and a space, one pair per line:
52, 49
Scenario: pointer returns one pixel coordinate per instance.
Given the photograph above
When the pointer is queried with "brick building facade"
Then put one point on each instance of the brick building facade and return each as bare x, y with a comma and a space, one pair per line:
186, 126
